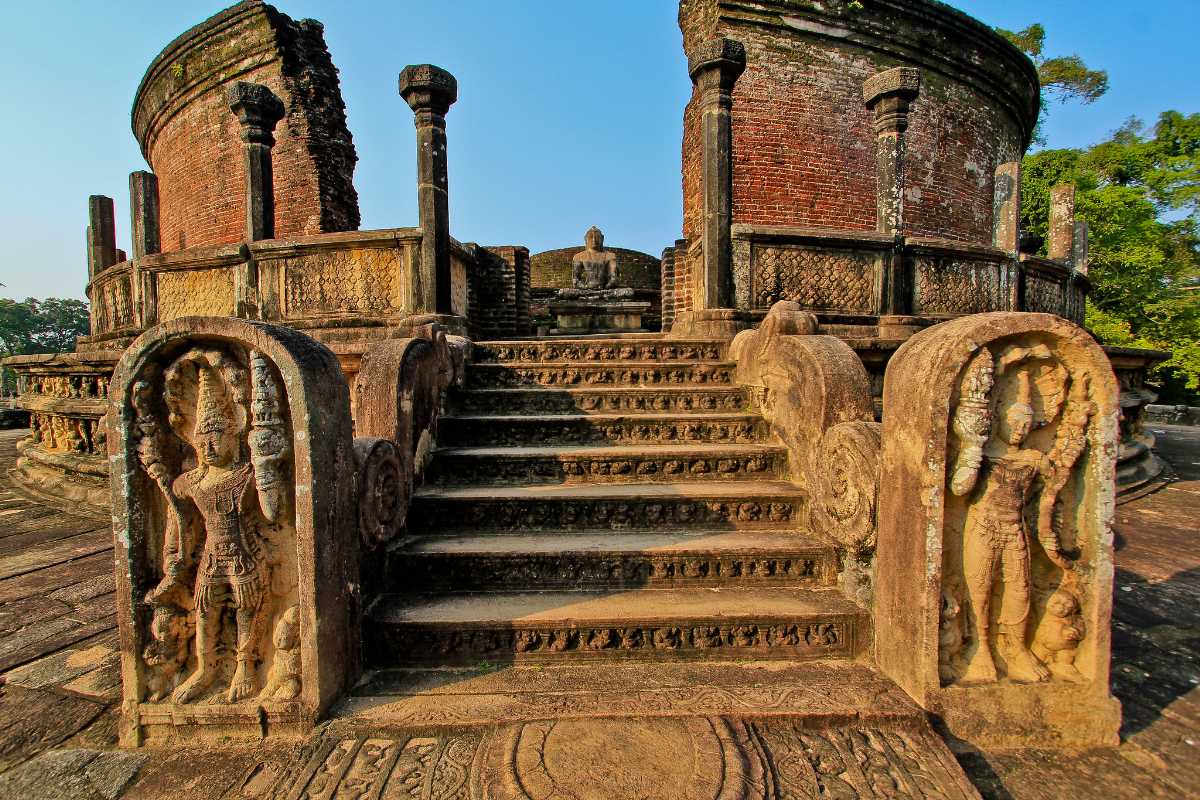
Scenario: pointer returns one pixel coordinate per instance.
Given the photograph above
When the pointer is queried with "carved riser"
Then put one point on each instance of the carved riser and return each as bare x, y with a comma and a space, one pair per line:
460, 432
490, 352
435, 514
620, 572
452, 470
816, 637
599, 402
582, 375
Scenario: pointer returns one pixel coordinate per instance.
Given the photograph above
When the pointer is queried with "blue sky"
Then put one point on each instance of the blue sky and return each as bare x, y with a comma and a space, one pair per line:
569, 113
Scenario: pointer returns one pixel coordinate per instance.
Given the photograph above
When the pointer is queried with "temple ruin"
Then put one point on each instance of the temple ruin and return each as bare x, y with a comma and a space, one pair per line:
847, 430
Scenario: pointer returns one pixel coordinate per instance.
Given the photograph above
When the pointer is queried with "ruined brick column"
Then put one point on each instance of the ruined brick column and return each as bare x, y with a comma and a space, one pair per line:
258, 110
714, 68
143, 213
889, 94
430, 91
101, 235
1062, 222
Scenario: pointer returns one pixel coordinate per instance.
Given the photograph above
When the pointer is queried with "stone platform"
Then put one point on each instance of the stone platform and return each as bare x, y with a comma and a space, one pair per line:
693, 729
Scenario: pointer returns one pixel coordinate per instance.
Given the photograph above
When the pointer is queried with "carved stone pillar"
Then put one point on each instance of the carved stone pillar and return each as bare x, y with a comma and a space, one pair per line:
889, 94
1006, 208
430, 91
143, 212
1062, 222
1079, 247
102, 235
258, 109
714, 68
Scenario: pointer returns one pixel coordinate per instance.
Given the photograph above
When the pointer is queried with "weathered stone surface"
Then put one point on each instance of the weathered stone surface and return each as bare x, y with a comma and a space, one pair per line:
72, 775
232, 476
994, 562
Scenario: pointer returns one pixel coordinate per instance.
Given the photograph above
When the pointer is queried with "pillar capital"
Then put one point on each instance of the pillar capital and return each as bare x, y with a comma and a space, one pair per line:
889, 94
717, 64
428, 88
258, 109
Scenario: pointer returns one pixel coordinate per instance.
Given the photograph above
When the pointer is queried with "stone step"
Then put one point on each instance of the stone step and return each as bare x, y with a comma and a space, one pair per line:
675, 399
584, 374
648, 624
598, 350
465, 466
580, 429
692, 505
598, 559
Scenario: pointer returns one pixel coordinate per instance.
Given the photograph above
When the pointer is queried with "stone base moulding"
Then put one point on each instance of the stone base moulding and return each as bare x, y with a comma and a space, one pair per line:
233, 514
994, 571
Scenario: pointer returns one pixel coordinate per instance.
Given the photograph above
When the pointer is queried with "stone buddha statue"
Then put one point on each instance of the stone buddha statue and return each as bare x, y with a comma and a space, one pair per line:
594, 268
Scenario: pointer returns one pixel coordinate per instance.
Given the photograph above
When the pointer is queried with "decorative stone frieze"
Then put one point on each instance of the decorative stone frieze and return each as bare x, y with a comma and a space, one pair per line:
582, 375
483, 431
237, 547
433, 511
613, 400
581, 351
832, 637
994, 560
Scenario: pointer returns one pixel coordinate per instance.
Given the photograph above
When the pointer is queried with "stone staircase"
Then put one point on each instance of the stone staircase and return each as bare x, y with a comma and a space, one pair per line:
607, 500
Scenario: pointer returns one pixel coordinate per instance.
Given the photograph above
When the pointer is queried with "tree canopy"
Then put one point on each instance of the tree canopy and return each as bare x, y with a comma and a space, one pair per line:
1139, 192
40, 326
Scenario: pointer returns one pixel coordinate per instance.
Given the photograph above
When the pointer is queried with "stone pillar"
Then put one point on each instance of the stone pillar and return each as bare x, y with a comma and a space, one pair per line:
143, 213
429, 92
1062, 222
1079, 247
1006, 208
714, 67
889, 94
102, 235
258, 110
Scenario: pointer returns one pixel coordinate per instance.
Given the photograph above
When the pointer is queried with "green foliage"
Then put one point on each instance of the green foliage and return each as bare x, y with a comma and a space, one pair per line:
1140, 195
39, 326
1063, 78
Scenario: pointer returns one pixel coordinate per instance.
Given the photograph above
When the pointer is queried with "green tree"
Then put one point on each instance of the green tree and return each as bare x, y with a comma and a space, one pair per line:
1139, 194
1063, 78
39, 326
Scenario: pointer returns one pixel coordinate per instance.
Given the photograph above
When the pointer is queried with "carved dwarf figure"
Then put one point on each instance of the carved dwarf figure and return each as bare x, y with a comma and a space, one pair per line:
996, 542
283, 682
1059, 634
233, 496
594, 267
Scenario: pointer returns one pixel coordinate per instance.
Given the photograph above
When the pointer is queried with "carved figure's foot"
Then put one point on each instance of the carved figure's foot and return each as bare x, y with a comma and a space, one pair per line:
190, 689
981, 668
1023, 666
242, 685
1066, 672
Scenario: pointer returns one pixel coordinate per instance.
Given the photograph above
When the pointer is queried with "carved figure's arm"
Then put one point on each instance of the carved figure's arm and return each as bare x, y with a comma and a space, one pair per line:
972, 427
269, 444
1056, 469
177, 551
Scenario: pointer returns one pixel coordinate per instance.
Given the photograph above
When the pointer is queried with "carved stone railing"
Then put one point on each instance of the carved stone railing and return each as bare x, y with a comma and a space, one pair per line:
64, 459
868, 275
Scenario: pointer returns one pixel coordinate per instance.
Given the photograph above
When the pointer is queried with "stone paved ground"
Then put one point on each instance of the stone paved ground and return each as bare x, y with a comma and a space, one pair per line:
58, 665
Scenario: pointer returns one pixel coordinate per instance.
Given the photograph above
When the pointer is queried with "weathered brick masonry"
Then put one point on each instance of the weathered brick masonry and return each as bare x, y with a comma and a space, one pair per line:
189, 137
803, 142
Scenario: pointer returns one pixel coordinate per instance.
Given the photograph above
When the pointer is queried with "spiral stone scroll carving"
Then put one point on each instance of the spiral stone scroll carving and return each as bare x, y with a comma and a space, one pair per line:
384, 488
847, 486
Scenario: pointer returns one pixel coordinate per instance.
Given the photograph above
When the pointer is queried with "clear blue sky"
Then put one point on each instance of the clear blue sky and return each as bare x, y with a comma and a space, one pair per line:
569, 113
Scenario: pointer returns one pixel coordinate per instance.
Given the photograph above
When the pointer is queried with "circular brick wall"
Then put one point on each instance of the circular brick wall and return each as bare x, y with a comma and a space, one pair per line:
191, 139
803, 141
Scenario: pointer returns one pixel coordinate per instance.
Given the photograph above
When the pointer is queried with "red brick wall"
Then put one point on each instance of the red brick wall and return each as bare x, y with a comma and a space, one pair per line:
191, 138
804, 143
